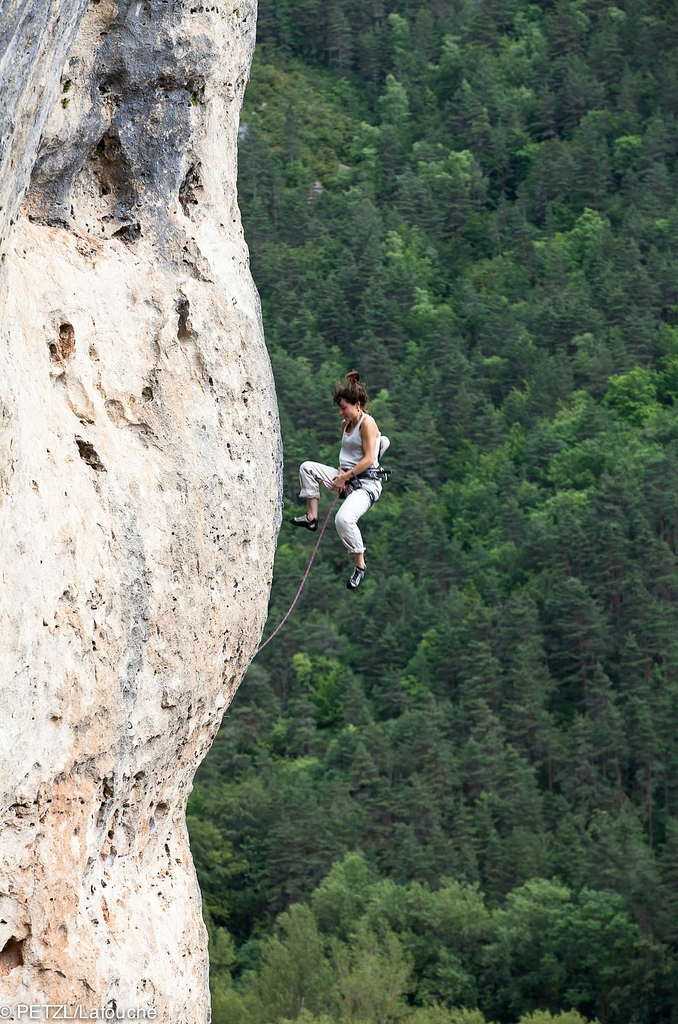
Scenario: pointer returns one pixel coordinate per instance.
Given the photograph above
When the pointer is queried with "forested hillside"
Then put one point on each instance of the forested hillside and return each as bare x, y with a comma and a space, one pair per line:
458, 786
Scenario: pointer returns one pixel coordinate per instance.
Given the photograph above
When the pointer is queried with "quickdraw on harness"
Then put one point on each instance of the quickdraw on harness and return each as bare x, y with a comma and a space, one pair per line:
375, 474
369, 474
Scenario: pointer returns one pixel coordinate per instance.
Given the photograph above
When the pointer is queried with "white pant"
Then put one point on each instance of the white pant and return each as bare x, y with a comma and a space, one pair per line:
311, 474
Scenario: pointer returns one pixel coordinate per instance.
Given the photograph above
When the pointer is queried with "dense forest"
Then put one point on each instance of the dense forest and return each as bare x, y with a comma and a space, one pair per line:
452, 796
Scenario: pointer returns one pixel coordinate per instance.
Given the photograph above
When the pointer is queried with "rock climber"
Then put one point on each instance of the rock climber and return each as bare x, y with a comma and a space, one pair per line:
358, 479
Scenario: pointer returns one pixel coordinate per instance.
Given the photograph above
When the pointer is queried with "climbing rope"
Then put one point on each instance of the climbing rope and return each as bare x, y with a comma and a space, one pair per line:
301, 586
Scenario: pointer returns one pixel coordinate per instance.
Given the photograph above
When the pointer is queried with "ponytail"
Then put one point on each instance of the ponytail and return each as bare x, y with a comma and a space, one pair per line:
351, 390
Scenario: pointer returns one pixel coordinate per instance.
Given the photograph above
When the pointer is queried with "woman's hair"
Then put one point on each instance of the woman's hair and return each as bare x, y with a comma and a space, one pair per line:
351, 390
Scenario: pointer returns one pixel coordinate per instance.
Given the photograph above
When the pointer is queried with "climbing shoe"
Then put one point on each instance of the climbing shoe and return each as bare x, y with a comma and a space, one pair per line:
356, 578
309, 524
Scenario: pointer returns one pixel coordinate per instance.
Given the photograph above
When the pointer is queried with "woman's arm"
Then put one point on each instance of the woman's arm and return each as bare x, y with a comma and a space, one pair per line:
369, 433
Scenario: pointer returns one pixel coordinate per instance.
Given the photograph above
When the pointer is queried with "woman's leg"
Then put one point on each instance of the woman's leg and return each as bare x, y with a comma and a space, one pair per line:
346, 523
311, 475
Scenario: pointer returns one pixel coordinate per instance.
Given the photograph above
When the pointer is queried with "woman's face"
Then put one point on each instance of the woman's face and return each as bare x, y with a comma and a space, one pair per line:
348, 412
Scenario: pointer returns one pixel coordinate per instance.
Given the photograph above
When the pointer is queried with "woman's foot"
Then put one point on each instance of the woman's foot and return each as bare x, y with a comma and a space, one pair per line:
356, 577
309, 524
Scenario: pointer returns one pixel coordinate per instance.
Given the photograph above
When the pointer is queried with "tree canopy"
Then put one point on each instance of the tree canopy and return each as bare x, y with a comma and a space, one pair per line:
453, 796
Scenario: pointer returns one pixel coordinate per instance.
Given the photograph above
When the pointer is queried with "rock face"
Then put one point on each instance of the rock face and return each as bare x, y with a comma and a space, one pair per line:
139, 484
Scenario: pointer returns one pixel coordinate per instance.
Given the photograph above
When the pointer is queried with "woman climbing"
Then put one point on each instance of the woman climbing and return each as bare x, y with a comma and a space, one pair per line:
355, 479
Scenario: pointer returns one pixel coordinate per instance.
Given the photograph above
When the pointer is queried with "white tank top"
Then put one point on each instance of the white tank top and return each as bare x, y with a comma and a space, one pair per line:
352, 447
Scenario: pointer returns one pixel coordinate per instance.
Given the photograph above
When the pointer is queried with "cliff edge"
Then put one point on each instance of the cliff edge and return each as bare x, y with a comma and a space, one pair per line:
139, 485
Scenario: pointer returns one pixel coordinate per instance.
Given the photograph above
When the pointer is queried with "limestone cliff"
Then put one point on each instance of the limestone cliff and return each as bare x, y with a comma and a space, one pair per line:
139, 490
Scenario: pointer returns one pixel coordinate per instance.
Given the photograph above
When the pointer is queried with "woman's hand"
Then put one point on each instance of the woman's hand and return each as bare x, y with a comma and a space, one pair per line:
340, 480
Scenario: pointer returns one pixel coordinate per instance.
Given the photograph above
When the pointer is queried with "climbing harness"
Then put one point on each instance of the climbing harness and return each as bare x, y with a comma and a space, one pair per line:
301, 586
375, 474
370, 474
